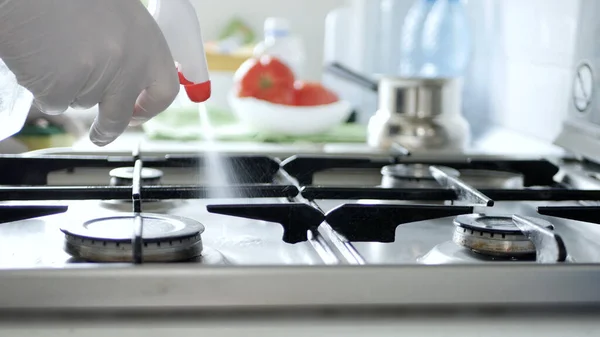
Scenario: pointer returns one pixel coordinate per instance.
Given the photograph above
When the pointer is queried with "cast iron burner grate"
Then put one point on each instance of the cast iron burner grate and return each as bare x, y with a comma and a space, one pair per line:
16, 170
535, 173
253, 179
378, 222
300, 217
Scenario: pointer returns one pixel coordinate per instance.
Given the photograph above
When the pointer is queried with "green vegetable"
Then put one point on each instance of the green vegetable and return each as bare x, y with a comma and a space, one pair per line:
238, 27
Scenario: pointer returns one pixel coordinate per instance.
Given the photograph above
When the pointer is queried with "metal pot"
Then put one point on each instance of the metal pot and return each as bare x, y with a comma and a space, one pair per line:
416, 113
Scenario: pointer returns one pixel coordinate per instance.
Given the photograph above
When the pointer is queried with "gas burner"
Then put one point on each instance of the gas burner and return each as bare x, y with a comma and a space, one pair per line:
123, 176
495, 236
210, 256
450, 253
412, 176
492, 179
167, 238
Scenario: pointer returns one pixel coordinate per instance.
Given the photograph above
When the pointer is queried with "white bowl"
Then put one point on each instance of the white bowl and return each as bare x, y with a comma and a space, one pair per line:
266, 117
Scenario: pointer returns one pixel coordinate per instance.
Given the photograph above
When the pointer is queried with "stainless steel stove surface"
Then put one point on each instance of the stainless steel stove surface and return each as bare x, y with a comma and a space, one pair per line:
39, 243
300, 231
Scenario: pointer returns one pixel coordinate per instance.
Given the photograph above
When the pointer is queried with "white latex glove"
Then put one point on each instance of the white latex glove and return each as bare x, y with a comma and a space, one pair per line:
80, 53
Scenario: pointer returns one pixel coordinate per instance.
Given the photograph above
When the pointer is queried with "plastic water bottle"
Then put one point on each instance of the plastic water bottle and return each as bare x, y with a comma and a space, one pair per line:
279, 42
391, 14
446, 40
411, 53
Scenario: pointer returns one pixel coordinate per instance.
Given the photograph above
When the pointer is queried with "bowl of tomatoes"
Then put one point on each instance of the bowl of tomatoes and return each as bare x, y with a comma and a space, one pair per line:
268, 98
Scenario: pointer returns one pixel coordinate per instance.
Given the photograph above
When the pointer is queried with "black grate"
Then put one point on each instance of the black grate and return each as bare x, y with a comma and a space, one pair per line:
536, 172
261, 177
149, 192
33, 171
441, 194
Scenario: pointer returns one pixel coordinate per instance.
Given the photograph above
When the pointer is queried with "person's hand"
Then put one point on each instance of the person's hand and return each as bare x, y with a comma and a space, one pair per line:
80, 53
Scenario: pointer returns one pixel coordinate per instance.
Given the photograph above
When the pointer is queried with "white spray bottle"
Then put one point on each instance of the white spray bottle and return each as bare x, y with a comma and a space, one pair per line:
179, 23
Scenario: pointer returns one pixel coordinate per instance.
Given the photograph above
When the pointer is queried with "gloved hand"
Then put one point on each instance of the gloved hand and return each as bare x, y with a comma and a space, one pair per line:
80, 53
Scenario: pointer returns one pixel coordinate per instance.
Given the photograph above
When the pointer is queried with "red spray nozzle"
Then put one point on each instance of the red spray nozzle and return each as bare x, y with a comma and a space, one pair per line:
197, 92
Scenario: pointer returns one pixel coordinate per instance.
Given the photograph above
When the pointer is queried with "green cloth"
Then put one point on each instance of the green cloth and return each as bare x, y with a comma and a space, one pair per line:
38, 130
184, 124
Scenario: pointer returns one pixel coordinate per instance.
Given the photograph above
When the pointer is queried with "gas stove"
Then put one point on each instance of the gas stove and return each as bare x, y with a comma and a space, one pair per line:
159, 231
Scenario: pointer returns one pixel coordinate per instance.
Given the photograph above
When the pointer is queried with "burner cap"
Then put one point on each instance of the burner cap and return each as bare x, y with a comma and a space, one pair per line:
167, 238
124, 176
494, 235
414, 171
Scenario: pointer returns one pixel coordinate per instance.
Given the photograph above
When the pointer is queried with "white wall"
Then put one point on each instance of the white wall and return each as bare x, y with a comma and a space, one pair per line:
306, 16
521, 74
532, 65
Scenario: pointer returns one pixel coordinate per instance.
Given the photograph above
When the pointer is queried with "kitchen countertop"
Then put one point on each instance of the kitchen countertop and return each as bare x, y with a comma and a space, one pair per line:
496, 141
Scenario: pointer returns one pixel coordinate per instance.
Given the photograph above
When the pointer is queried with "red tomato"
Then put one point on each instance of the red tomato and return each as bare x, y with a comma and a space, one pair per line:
312, 94
265, 78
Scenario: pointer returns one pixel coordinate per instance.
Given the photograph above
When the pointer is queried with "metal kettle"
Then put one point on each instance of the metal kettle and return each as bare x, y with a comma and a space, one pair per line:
418, 114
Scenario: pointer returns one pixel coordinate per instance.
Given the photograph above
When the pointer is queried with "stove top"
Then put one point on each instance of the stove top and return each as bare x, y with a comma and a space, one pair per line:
306, 221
